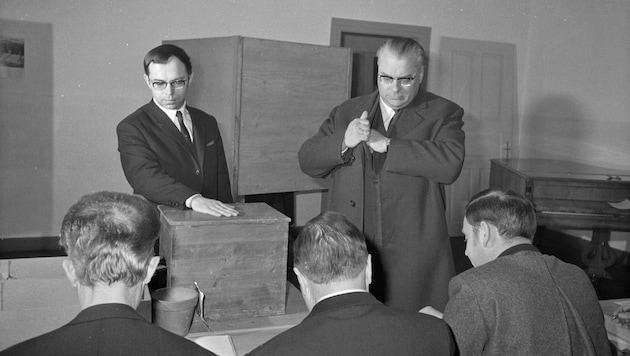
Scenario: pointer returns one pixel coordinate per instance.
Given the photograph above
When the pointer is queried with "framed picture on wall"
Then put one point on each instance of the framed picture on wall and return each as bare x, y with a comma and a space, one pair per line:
11, 57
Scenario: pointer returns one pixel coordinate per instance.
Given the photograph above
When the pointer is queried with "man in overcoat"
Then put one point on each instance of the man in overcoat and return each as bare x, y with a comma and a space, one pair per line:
389, 155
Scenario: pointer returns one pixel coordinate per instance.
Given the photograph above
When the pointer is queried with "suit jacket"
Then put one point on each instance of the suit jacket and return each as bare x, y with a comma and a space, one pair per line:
358, 324
425, 153
161, 166
526, 303
108, 329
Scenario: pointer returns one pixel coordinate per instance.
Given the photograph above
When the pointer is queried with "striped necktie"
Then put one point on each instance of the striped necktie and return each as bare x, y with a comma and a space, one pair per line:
182, 127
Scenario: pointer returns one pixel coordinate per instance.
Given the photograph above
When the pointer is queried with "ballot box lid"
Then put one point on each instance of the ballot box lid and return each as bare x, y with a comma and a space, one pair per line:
248, 213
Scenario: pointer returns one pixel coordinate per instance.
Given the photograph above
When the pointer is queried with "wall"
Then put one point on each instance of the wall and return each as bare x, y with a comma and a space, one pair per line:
578, 83
572, 67
575, 94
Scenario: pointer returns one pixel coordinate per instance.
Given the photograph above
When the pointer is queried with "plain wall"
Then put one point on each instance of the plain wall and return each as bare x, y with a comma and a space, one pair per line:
572, 57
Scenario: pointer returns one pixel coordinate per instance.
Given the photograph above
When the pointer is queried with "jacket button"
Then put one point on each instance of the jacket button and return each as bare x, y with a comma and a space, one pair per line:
352, 203
352, 158
197, 172
375, 180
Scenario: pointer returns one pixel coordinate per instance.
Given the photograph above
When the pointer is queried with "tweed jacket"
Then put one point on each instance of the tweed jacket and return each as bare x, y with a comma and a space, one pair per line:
526, 303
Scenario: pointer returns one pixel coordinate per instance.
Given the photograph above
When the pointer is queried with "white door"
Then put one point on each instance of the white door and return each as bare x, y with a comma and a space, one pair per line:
480, 76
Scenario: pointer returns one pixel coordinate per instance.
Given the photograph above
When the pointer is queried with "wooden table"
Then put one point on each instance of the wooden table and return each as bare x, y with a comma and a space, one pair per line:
247, 334
616, 334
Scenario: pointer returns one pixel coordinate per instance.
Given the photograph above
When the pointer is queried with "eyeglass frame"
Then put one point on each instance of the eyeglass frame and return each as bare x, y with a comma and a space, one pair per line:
175, 84
389, 80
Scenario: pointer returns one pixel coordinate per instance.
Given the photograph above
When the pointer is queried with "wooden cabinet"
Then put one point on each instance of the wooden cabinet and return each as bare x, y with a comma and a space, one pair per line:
268, 97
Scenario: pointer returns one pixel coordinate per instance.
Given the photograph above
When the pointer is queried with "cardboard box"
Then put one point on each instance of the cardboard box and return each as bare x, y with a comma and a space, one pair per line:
238, 262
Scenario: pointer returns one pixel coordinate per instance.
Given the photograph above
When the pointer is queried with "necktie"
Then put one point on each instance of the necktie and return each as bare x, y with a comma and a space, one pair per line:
391, 121
182, 127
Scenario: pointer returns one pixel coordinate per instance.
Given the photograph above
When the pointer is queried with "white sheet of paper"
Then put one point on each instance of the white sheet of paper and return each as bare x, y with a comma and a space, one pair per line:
219, 344
622, 205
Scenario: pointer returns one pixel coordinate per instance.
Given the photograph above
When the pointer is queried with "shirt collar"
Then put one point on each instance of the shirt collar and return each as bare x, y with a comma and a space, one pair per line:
170, 112
386, 109
339, 293
518, 248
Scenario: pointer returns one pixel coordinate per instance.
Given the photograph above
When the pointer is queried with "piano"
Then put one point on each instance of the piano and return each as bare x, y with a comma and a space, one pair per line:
571, 195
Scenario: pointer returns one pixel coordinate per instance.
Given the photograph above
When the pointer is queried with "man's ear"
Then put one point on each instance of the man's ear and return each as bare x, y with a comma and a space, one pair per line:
146, 80
420, 74
71, 273
190, 78
484, 234
151, 270
301, 280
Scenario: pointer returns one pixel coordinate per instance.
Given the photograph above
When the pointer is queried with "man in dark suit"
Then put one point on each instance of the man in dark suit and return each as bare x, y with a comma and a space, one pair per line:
172, 153
109, 241
517, 301
389, 155
334, 270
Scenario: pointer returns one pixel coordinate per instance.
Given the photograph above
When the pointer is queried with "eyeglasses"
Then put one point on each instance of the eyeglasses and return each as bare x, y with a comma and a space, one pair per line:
403, 81
176, 84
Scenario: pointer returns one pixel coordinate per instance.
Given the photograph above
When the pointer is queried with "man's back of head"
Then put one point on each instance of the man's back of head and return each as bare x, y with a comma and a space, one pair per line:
330, 256
109, 238
510, 212
330, 248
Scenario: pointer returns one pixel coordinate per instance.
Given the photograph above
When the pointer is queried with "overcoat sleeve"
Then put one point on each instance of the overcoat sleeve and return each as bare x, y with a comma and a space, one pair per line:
437, 151
321, 154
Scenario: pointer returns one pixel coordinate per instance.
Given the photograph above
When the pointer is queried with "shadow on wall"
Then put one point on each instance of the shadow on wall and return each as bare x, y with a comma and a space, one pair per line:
560, 127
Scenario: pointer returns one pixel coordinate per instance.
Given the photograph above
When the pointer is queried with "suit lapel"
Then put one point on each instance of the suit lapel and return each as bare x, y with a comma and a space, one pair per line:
412, 115
164, 123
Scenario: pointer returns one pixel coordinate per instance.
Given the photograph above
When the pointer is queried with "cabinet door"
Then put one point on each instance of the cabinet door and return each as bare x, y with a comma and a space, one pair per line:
287, 90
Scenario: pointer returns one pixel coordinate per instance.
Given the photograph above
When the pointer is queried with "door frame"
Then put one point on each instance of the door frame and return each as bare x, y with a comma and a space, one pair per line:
339, 28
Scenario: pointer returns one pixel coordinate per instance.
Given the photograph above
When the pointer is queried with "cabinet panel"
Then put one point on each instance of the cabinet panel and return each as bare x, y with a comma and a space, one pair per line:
268, 97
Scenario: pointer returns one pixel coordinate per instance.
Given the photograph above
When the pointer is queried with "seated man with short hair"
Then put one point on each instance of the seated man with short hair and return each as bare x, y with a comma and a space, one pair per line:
109, 240
334, 270
517, 301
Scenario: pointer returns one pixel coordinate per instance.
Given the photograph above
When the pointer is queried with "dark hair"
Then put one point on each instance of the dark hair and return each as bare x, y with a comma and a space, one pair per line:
330, 248
508, 211
109, 237
161, 54
404, 47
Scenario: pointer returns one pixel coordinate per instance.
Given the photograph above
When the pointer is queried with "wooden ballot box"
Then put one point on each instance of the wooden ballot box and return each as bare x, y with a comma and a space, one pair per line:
240, 263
